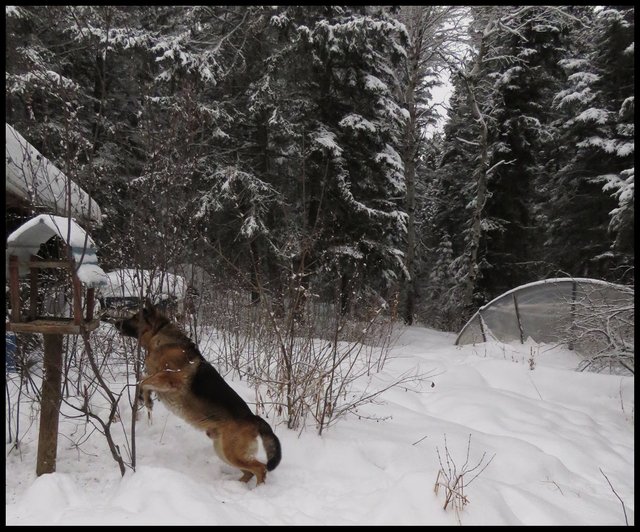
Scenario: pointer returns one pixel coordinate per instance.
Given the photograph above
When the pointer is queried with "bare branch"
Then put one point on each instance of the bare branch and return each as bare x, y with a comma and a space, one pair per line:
616, 494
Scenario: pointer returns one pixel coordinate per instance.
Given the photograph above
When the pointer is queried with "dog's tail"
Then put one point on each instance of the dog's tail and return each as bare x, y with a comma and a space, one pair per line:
271, 444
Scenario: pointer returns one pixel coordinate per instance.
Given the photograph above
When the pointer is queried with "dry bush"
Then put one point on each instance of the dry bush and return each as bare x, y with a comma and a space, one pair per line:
454, 480
603, 326
302, 360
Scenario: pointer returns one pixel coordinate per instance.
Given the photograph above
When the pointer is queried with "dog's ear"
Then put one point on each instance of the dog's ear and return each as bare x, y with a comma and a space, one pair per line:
148, 309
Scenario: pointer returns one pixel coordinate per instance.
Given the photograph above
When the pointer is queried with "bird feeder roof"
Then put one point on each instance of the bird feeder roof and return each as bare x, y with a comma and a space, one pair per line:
30, 175
26, 240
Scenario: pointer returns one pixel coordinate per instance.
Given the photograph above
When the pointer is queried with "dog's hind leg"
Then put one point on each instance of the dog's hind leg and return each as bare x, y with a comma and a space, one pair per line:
251, 468
246, 476
228, 453
239, 444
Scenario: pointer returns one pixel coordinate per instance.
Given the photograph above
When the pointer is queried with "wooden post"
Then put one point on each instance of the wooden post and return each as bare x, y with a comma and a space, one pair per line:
90, 303
33, 295
14, 288
518, 318
50, 404
574, 296
77, 296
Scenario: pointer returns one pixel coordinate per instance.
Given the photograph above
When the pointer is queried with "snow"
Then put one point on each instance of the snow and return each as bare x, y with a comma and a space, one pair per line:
14, 11
280, 21
570, 96
249, 227
552, 431
358, 123
620, 148
584, 77
390, 157
374, 84
599, 116
32, 176
623, 149
509, 75
26, 240
347, 251
42, 227
327, 139
622, 187
42, 77
134, 283
573, 63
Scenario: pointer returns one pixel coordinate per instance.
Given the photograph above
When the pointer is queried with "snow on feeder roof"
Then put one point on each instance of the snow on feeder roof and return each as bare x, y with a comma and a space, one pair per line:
32, 177
26, 240
559, 310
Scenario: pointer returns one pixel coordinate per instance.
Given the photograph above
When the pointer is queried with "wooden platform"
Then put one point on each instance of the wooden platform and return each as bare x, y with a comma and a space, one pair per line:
52, 326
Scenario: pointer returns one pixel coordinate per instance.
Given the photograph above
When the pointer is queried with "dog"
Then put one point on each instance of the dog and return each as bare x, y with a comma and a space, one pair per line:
192, 389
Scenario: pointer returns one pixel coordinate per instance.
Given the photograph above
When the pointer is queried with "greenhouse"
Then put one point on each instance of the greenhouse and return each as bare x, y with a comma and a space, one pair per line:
588, 315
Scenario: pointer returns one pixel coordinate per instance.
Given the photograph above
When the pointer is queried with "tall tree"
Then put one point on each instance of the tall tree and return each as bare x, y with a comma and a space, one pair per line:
432, 32
594, 158
496, 135
331, 127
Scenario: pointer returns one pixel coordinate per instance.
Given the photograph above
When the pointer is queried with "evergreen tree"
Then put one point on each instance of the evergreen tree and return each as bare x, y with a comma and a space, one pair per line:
594, 179
432, 31
285, 146
524, 84
494, 150
325, 149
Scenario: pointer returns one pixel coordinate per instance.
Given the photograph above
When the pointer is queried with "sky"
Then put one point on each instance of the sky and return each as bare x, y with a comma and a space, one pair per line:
440, 97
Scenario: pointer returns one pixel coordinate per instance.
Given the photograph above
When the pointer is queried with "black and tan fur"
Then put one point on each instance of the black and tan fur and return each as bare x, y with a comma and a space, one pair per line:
192, 389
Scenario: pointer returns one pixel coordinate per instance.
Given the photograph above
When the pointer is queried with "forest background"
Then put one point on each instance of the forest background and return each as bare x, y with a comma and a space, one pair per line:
288, 152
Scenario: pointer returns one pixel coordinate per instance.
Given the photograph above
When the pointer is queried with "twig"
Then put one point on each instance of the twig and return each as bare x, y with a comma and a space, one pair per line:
534, 385
455, 480
416, 442
616, 494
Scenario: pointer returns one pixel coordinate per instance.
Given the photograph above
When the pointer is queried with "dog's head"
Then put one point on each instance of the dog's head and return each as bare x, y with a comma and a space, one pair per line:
145, 320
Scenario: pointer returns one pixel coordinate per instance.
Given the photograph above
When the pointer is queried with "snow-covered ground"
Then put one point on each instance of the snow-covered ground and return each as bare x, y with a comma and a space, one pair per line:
552, 431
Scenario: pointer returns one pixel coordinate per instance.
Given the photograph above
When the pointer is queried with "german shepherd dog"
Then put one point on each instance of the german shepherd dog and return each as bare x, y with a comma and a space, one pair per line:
192, 389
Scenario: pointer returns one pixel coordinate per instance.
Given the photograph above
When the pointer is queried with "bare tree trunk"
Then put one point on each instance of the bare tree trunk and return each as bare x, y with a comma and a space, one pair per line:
100, 86
409, 158
481, 198
253, 269
410, 283
470, 80
50, 404
432, 30
345, 297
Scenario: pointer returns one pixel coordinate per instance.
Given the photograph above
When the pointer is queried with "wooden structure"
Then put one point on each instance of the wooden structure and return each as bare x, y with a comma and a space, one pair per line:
80, 267
31, 322
35, 185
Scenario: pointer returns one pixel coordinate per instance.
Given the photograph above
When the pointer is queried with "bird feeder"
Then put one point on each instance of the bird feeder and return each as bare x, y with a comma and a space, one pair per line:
77, 263
77, 258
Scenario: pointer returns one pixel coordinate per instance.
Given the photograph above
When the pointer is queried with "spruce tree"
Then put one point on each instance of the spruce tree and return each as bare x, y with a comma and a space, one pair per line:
591, 194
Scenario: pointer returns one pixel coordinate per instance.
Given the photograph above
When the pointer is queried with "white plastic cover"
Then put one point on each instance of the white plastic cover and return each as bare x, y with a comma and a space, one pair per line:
545, 311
